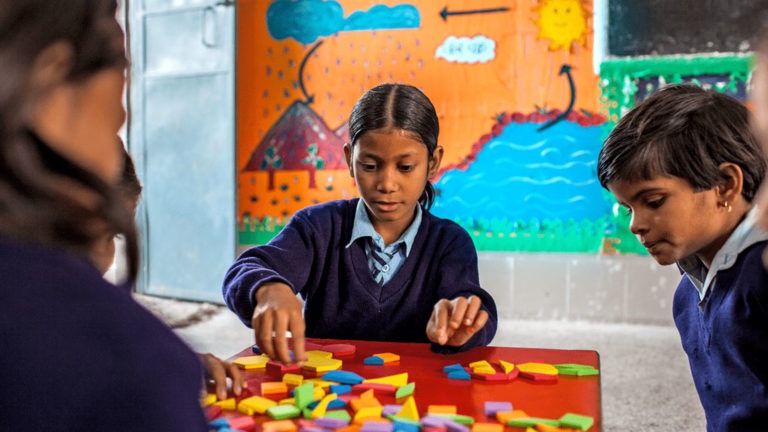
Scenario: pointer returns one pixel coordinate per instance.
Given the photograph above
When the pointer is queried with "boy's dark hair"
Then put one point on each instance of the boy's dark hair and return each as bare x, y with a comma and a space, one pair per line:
130, 185
683, 131
400, 106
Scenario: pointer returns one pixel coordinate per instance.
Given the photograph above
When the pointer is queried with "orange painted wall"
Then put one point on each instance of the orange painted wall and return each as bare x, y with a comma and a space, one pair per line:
524, 77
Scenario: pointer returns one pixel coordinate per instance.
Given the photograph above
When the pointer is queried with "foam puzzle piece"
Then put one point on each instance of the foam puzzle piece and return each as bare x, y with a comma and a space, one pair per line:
329, 422
403, 424
487, 427
373, 426
343, 377
434, 429
320, 409
453, 367
538, 377
405, 390
507, 367
319, 382
227, 404
373, 361
577, 421
480, 363
531, 422
361, 403
576, 369
319, 354
494, 377
304, 395
273, 388
292, 379
388, 357
211, 412
391, 409
459, 375
505, 416
458, 418
539, 368
278, 426
340, 389
243, 423
340, 350
384, 389
369, 412
251, 362
397, 380
486, 370
443, 409
322, 364
409, 410
311, 346
338, 414
219, 424
334, 404
255, 404
209, 399
278, 369
492, 407
546, 428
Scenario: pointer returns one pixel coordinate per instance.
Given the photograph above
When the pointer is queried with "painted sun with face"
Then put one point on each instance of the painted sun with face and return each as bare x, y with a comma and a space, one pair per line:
562, 22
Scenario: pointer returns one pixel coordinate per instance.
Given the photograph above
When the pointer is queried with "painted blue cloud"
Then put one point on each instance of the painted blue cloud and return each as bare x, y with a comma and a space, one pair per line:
304, 20
383, 17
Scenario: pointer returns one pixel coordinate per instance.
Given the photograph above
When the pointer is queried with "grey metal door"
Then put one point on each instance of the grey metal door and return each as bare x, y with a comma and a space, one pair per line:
181, 133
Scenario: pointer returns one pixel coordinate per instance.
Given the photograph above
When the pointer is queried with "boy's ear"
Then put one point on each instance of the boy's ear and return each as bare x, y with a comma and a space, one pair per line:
348, 157
729, 190
434, 163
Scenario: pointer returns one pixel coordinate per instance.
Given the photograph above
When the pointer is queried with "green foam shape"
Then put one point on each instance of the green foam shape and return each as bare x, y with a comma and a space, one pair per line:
304, 395
532, 422
577, 421
282, 412
338, 414
405, 390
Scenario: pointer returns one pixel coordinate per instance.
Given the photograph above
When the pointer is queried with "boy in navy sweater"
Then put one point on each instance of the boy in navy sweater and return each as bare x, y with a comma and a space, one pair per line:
686, 166
376, 268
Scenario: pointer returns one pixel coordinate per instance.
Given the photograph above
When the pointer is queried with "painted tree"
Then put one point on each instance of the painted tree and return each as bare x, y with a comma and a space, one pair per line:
315, 163
271, 162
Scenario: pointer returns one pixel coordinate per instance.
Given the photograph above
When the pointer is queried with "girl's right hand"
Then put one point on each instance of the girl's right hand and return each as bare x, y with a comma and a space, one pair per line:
277, 311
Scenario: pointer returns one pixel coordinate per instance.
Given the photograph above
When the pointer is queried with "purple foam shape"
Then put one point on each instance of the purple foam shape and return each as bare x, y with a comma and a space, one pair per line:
330, 422
376, 427
491, 407
312, 429
435, 421
456, 427
390, 410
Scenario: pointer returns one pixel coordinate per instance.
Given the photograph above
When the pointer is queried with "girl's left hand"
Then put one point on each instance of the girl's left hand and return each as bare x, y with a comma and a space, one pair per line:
218, 370
454, 322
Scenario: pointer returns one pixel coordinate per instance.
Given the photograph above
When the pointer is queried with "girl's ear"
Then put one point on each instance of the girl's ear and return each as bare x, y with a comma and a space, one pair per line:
434, 162
348, 158
729, 189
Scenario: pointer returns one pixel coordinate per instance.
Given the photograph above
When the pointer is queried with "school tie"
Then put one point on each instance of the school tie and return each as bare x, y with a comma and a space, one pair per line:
380, 260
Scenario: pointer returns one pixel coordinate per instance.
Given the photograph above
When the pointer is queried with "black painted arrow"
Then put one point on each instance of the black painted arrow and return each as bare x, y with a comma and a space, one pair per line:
566, 69
444, 13
309, 99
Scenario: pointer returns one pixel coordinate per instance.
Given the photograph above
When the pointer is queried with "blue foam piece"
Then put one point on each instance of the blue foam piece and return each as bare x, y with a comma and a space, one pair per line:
340, 389
373, 360
334, 404
343, 377
219, 424
459, 375
453, 367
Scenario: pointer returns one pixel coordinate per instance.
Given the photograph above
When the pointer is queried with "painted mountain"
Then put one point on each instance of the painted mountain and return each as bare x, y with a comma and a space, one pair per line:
300, 140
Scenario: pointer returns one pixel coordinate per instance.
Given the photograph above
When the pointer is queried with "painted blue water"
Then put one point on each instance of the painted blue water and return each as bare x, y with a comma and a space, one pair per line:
525, 174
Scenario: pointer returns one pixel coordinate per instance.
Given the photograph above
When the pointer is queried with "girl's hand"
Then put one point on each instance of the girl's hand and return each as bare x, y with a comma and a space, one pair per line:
277, 311
453, 322
218, 370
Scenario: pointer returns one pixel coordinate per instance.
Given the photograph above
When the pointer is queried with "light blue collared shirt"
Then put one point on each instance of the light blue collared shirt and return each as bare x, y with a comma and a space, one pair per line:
745, 235
400, 248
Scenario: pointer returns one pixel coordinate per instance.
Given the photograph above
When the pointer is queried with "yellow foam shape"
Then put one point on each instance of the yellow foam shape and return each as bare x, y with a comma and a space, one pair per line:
368, 394
409, 410
319, 382
278, 426
319, 354
397, 381
388, 357
360, 403
209, 399
366, 413
504, 416
530, 429
542, 368
288, 401
293, 379
227, 404
273, 387
321, 407
255, 404
251, 362
441, 409
506, 366
487, 427
318, 393
484, 370
479, 363
322, 364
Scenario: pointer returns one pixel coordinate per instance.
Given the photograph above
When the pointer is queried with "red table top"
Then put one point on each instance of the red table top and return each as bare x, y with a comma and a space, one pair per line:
578, 395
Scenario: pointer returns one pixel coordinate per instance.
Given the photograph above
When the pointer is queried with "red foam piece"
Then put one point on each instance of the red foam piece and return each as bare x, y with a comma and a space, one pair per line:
278, 369
243, 423
378, 388
539, 377
339, 349
211, 412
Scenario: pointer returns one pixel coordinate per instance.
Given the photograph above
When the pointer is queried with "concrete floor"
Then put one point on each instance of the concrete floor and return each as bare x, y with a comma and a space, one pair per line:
646, 383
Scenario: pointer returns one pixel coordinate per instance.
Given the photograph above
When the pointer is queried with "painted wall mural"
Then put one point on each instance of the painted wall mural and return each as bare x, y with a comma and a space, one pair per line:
513, 84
